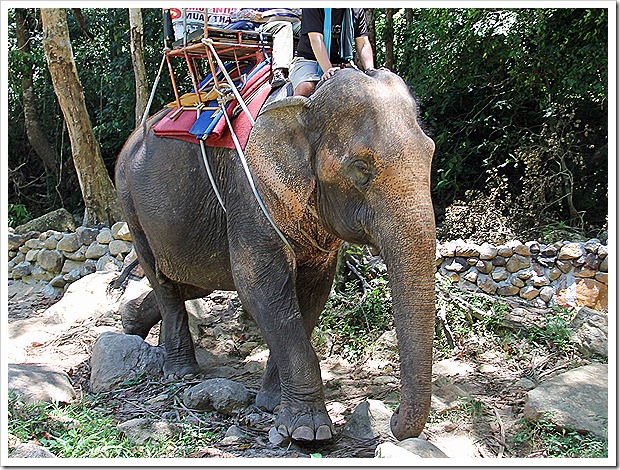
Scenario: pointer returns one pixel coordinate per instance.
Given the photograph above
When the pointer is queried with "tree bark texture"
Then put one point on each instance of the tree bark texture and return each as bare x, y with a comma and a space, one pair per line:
389, 38
34, 130
98, 192
409, 15
136, 30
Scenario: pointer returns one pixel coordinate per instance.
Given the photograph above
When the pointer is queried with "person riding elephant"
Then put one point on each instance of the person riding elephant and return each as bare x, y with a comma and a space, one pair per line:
350, 163
326, 45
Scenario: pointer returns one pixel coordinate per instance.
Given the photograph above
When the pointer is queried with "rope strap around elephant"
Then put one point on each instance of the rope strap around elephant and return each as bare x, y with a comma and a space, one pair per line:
248, 175
222, 100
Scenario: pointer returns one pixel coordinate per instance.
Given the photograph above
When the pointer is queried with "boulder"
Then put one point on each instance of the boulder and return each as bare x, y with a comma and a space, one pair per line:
589, 332
446, 395
487, 251
517, 263
571, 251
120, 231
140, 430
105, 236
422, 448
108, 263
223, 395
15, 240
413, 448
69, 243
21, 270
119, 247
60, 220
87, 235
96, 250
40, 383
30, 451
370, 420
576, 399
50, 260
117, 358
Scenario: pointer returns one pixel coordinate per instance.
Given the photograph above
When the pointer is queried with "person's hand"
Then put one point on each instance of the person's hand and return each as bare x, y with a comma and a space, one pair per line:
330, 73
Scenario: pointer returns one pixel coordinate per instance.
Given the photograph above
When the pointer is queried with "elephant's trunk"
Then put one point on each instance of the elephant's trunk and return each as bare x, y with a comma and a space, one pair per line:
408, 248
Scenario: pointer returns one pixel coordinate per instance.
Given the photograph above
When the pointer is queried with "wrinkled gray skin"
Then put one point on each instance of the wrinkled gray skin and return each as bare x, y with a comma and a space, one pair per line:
349, 163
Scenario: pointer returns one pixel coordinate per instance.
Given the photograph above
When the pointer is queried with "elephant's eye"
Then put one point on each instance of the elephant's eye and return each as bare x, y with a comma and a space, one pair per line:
361, 173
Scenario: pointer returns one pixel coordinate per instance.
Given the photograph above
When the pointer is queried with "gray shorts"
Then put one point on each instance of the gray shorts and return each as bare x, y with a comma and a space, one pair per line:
303, 70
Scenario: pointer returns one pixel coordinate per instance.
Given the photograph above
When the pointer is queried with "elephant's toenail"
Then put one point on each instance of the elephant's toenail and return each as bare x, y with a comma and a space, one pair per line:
323, 433
283, 430
303, 433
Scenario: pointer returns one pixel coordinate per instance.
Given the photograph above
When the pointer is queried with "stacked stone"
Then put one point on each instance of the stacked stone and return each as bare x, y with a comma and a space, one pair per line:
563, 273
62, 258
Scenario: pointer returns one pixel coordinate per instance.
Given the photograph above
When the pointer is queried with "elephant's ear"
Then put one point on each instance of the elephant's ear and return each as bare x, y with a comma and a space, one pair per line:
278, 153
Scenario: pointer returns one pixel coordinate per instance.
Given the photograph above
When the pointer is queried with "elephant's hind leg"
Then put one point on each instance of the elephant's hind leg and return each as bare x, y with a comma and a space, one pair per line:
170, 304
177, 340
140, 315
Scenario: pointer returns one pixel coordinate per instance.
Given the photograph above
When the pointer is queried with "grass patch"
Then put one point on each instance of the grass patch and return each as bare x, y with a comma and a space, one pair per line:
544, 439
84, 429
353, 320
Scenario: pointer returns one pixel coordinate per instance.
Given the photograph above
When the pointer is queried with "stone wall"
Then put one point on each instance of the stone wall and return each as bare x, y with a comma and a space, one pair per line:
64, 257
564, 273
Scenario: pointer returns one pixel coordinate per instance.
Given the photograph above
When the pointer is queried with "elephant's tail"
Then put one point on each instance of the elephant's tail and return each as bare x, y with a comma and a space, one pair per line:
118, 282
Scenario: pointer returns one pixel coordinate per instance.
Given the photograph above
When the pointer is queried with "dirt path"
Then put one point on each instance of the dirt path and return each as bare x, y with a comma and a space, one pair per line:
478, 392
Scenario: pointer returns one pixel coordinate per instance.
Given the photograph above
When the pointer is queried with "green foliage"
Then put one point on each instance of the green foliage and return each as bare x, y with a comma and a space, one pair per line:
18, 215
515, 99
546, 438
353, 320
106, 73
555, 334
84, 429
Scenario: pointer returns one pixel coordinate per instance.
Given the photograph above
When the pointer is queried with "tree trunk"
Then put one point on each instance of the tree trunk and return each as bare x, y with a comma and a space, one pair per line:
137, 59
100, 200
34, 131
370, 21
409, 15
389, 38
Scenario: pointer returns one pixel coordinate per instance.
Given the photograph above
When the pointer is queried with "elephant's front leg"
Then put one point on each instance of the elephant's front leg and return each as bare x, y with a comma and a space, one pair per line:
313, 285
265, 280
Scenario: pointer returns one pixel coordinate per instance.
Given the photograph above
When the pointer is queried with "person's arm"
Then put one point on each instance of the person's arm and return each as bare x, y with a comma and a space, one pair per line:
321, 54
364, 49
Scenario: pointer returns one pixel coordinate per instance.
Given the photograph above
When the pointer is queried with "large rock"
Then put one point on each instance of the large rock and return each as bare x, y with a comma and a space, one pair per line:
409, 448
84, 299
120, 231
589, 332
370, 420
50, 260
422, 448
117, 358
40, 383
59, 220
223, 395
30, 451
576, 399
140, 430
87, 235
69, 243
447, 395
119, 247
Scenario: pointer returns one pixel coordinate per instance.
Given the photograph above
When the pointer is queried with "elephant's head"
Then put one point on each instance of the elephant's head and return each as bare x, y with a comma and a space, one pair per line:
356, 147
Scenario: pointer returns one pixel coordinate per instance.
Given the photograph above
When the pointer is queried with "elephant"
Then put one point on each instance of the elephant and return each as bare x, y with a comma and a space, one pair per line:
349, 163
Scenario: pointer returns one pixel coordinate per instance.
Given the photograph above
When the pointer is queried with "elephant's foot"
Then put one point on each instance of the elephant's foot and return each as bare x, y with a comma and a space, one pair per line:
268, 399
181, 369
270, 394
304, 423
